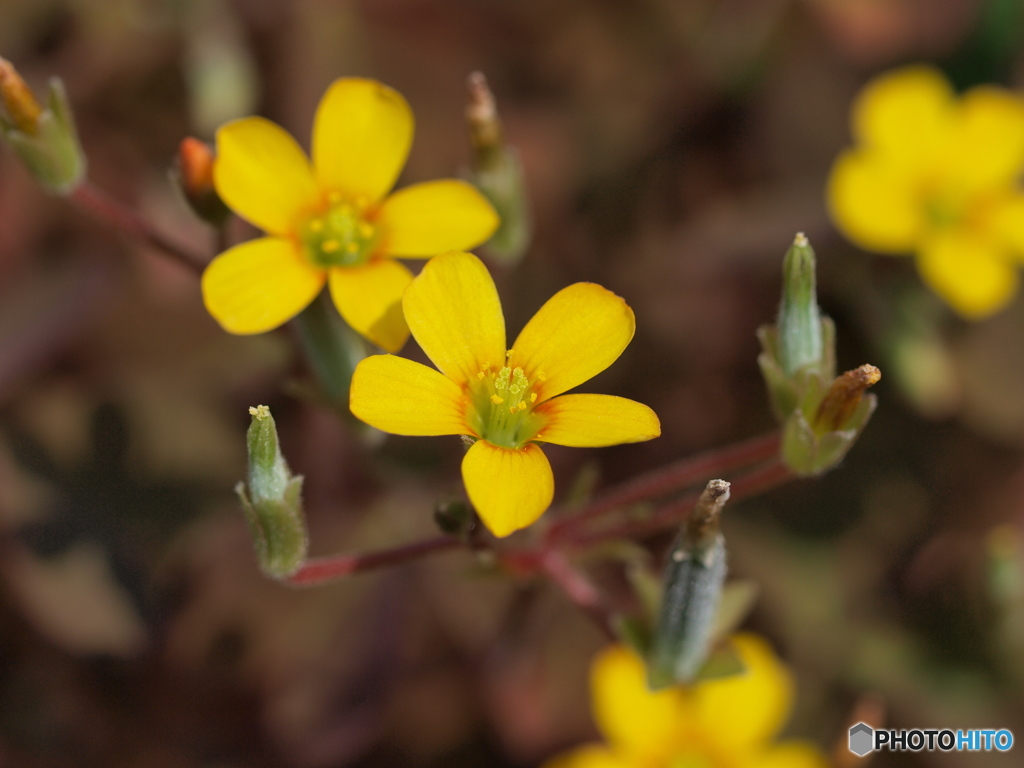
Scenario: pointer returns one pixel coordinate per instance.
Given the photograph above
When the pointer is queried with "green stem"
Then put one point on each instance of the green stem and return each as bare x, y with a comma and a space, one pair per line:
332, 348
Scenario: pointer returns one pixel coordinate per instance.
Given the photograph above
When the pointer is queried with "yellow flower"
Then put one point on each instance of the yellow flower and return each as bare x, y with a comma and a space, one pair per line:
937, 175
508, 399
726, 723
333, 221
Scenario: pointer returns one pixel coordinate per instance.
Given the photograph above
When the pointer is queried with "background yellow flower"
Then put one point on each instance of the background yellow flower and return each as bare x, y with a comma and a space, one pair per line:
937, 175
331, 221
726, 723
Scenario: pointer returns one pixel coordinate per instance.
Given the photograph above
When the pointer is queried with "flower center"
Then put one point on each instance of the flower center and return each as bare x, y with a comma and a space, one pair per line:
339, 237
502, 402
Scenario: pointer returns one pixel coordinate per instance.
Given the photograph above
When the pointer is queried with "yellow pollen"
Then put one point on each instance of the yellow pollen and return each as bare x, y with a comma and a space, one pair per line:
512, 410
510, 353
316, 225
497, 400
522, 406
330, 246
533, 397
480, 375
541, 376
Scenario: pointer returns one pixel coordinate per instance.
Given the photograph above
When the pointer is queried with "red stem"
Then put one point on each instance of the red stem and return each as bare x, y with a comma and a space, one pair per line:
579, 589
674, 513
120, 217
323, 569
673, 477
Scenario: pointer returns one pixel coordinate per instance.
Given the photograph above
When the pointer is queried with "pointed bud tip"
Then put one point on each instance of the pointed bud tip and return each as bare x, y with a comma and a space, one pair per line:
801, 241
21, 104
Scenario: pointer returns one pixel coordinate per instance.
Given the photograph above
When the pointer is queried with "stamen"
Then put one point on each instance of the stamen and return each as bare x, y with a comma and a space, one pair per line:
330, 246
497, 400
541, 376
522, 406
533, 397
510, 353
480, 375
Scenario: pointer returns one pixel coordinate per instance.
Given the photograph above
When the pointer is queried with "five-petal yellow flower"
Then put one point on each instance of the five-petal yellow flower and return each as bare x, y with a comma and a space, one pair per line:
937, 175
332, 221
509, 400
726, 723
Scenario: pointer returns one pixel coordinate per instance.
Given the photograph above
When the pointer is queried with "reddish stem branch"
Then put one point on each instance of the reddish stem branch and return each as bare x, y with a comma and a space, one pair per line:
579, 589
674, 513
120, 217
673, 477
320, 570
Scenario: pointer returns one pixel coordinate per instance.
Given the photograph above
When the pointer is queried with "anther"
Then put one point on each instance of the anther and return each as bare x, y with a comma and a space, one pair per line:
533, 397
510, 353
541, 376
316, 225
497, 400
330, 246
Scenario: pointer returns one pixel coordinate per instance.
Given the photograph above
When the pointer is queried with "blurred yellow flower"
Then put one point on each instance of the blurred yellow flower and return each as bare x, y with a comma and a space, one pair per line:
508, 400
726, 723
332, 221
937, 175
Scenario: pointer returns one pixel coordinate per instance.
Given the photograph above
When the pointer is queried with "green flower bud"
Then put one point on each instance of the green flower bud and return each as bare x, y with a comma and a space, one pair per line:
799, 324
821, 414
693, 581
43, 137
498, 173
273, 505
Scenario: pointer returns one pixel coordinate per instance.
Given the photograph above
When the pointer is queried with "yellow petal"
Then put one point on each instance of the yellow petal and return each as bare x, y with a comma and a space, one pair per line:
633, 719
258, 285
905, 114
874, 203
738, 713
1008, 224
404, 397
453, 310
263, 174
436, 216
969, 272
579, 332
361, 138
369, 297
509, 488
988, 145
789, 754
590, 756
592, 421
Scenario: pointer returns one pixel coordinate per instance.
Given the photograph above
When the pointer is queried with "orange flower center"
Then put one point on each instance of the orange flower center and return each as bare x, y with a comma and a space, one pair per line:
340, 237
501, 406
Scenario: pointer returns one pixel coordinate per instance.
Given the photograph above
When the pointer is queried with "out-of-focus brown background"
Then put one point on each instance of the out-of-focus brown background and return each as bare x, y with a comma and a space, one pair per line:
671, 149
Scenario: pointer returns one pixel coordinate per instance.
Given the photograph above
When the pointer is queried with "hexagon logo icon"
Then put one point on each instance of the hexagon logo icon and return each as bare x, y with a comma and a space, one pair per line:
862, 739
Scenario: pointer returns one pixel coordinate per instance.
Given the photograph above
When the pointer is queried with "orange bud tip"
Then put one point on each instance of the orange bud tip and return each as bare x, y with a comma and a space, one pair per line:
19, 101
195, 161
844, 396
